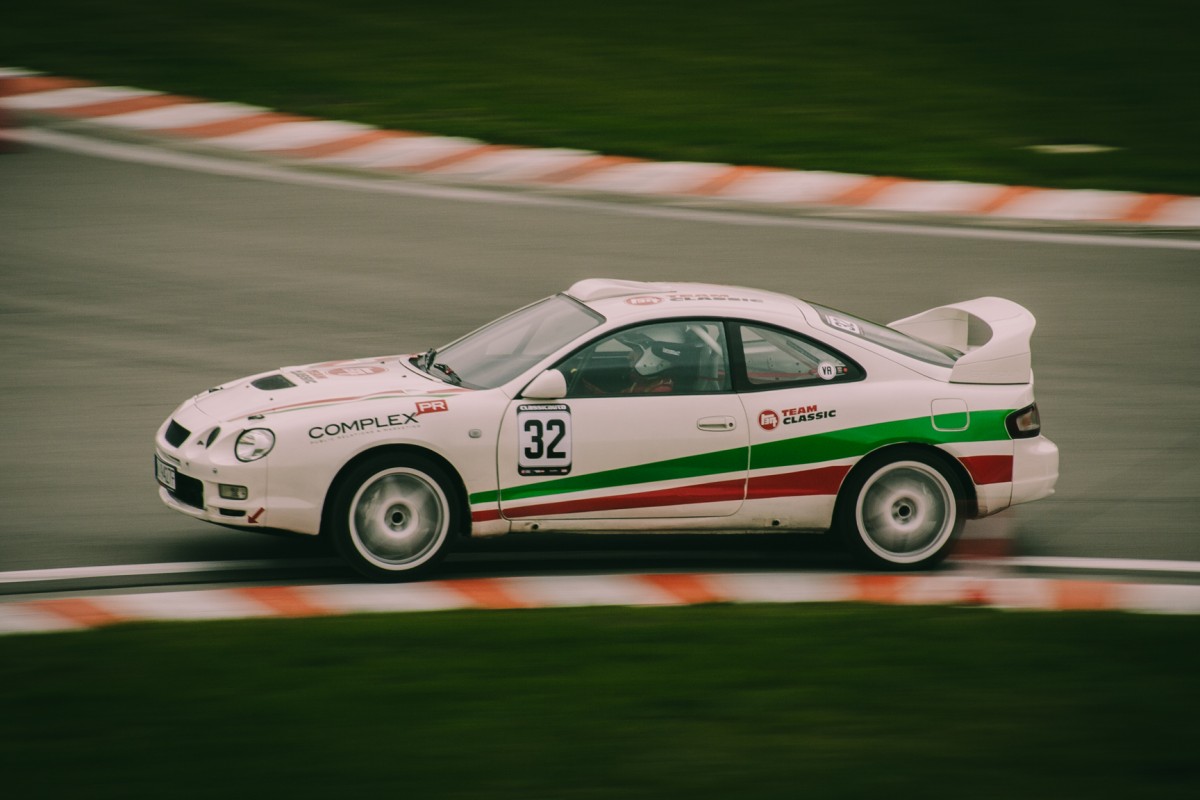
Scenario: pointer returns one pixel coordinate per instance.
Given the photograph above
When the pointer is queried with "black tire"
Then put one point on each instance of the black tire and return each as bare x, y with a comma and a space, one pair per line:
393, 517
902, 509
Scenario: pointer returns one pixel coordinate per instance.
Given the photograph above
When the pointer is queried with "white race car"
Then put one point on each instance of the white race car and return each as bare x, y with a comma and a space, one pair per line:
630, 406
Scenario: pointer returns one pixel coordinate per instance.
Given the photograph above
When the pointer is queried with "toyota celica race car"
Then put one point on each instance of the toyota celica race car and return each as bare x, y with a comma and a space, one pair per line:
629, 406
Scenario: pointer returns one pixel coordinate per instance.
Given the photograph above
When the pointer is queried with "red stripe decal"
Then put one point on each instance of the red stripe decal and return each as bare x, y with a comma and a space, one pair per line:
823, 480
487, 515
820, 481
683, 495
989, 469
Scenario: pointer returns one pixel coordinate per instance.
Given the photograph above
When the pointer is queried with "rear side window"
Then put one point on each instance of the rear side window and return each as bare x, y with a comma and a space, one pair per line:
887, 337
775, 358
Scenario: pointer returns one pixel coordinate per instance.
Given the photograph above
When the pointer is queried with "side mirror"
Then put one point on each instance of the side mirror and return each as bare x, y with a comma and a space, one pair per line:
550, 385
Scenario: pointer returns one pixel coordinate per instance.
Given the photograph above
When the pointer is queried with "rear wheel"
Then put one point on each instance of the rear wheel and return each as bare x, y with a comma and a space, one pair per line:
393, 517
901, 511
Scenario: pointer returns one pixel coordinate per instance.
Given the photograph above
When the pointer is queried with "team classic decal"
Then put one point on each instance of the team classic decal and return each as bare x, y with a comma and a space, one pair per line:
769, 420
544, 439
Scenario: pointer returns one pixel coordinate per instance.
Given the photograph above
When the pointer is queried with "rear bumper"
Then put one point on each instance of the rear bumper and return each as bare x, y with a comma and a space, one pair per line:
1035, 469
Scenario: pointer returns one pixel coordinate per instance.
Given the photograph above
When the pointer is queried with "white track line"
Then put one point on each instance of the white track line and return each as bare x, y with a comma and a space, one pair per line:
178, 568
1096, 564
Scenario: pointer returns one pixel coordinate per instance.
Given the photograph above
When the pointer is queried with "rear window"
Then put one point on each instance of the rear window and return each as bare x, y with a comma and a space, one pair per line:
887, 337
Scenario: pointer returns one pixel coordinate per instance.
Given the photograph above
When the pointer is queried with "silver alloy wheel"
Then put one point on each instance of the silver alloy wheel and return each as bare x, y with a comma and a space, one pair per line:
906, 512
399, 518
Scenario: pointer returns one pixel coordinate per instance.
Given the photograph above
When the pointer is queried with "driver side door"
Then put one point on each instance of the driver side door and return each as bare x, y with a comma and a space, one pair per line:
650, 428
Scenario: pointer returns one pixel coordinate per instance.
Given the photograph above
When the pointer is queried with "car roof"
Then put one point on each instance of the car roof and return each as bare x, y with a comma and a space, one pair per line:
619, 299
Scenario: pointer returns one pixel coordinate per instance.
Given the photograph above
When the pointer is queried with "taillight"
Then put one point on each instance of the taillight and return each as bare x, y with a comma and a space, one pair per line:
1024, 423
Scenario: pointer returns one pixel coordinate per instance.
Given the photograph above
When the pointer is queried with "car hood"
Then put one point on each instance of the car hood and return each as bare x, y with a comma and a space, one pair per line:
324, 384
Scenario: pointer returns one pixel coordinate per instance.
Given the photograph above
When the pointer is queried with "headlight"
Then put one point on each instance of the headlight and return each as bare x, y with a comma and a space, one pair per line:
254, 444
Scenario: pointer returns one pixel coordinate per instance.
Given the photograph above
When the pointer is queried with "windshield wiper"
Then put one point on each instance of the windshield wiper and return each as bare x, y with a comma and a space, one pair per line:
450, 374
425, 361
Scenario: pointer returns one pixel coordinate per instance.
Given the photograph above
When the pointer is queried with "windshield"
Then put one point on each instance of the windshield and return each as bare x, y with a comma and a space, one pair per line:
502, 350
888, 337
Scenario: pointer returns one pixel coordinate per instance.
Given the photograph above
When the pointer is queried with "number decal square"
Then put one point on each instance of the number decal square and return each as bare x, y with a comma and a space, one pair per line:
544, 439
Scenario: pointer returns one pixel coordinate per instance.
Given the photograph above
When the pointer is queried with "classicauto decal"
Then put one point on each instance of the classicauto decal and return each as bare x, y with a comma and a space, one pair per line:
796, 451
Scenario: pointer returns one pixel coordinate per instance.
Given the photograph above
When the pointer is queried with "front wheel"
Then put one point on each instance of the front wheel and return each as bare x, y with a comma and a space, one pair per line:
393, 517
901, 511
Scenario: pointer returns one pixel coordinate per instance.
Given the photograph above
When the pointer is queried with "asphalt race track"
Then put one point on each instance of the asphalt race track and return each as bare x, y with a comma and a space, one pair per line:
125, 288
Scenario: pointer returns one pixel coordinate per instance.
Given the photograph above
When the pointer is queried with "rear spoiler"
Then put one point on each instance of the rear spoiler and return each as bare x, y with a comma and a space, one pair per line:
992, 334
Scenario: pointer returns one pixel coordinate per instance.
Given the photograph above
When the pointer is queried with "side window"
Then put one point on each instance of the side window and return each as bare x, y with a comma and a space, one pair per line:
677, 357
775, 358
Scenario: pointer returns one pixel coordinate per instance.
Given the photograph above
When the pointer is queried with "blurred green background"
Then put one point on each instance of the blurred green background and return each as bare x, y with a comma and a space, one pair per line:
647, 703
935, 89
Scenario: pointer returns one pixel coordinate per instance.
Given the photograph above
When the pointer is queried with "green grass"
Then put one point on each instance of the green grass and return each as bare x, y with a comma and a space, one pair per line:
701, 702
935, 89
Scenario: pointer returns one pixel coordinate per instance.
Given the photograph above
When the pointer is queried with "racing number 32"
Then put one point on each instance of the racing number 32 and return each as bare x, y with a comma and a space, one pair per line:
544, 447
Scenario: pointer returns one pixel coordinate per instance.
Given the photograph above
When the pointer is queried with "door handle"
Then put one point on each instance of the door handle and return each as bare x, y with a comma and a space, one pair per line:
716, 423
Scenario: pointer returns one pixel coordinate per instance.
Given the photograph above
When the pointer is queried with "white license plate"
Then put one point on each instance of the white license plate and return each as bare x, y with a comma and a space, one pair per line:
165, 473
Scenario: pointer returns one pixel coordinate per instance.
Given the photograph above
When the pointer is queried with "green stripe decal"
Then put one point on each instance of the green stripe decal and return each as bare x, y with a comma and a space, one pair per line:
672, 469
854, 442
797, 451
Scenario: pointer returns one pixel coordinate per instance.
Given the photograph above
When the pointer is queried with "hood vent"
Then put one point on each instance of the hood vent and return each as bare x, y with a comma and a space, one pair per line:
272, 382
176, 434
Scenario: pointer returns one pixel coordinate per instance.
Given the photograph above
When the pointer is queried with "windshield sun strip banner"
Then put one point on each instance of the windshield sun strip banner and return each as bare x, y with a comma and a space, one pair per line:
793, 452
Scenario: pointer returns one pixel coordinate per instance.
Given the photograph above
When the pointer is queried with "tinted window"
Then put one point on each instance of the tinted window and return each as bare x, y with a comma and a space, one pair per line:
774, 357
677, 357
887, 337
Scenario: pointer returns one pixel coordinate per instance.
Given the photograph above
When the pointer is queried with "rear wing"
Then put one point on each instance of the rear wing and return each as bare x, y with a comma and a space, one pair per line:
992, 334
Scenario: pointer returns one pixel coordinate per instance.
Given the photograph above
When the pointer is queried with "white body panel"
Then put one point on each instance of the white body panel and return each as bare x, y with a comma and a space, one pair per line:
608, 434
714, 461
992, 334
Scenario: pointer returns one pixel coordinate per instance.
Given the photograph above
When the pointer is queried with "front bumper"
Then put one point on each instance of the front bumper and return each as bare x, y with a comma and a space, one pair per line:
200, 463
200, 497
